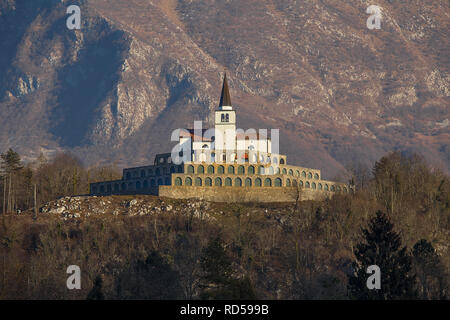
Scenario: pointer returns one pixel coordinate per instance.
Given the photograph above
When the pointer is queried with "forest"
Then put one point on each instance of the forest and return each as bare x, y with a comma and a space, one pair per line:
398, 219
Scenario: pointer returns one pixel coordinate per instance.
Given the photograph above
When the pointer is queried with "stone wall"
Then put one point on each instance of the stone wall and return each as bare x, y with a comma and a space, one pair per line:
241, 194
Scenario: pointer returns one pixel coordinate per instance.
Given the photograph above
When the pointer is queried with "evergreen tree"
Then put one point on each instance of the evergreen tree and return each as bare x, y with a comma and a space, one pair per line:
96, 292
431, 274
10, 165
382, 248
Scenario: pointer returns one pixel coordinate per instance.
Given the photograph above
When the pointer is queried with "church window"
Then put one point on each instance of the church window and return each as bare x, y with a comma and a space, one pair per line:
210, 169
208, 182
224, 157
227, 118
300, 183
326, 187
198, 181
221, 170
267, 182
277, 182
222, 117
284, 171
333, 188
313, 185
200, 169
251, 170
316, 176
309, 175
338, 188
319, 186
297, 173
270, 170
307, 185
288, 183
258, 182
281, 161
228, 182
303, 174
190, 169
178, 181
188, 181
218, 182
238, 182
248, 182
231, 169
241, 170
205, 146
294, 183
291, 173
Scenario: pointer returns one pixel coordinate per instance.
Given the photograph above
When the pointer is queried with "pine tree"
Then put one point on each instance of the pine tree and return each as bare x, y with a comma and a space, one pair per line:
10, 165
382, 248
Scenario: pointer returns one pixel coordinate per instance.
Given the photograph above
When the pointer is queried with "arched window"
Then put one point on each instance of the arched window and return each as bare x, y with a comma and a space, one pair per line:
300, 183
190, 169
142, 173
241, 170
231, 169
281, 161
228, 182
261, 170
248, 182
208, 182
198, 181
160, 182
251, 170
188, 181
316, 176
205, 146
319, 186
333, 188
220, 170
227, 118
128, 176
309, 175
326, 187
138, 185
200, 169
152, 183
288, 183
284, 171
307, 184
294, 183
275, 160
167, 181
158, 171
278, 170
303, 174
238, 182
345, 190
222, 118
270, 170
258, 182
297, 173
218, 182
291, 173
277, 182
210, 169
267, 182
313, 185
178, 181
338, 188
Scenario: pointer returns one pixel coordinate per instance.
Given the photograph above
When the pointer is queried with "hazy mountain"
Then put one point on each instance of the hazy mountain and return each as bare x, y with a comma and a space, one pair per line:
137, 69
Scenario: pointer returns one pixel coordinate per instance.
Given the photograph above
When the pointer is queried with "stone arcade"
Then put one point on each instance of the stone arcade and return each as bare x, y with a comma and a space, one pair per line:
223, 164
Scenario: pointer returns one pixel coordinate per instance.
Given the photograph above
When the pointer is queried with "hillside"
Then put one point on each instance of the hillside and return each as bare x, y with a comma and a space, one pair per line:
114, 90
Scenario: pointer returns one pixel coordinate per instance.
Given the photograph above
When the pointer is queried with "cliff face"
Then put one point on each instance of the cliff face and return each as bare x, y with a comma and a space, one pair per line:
115, 89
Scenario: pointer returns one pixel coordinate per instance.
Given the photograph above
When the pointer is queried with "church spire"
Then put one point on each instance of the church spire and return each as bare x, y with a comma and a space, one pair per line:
225, 99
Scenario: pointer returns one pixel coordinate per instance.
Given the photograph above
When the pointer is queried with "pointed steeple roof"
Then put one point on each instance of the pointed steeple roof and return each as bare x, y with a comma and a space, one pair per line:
225, 99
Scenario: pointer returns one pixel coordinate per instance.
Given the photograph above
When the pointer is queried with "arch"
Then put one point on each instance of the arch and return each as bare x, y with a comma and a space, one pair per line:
325, 187
345, 190
142, 173
261, 170
309, 175
294, 183
227, 118
268, 182
167, 181
338, 188
278, 182
231, 169
221, 170
300, 183
198, 181
313, 185
303, 174
258, 182
201, 169
188, 181
190, 169
248, 182
281, 161
228, 182
208, 182
275, 160
218, 182
251, 170
291, 172
288, 182
270, 170
210, 169
333, 188
284, 171
316, 176
238, 182
178, 181
241, 170
319, 186
138, 185
307, 185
